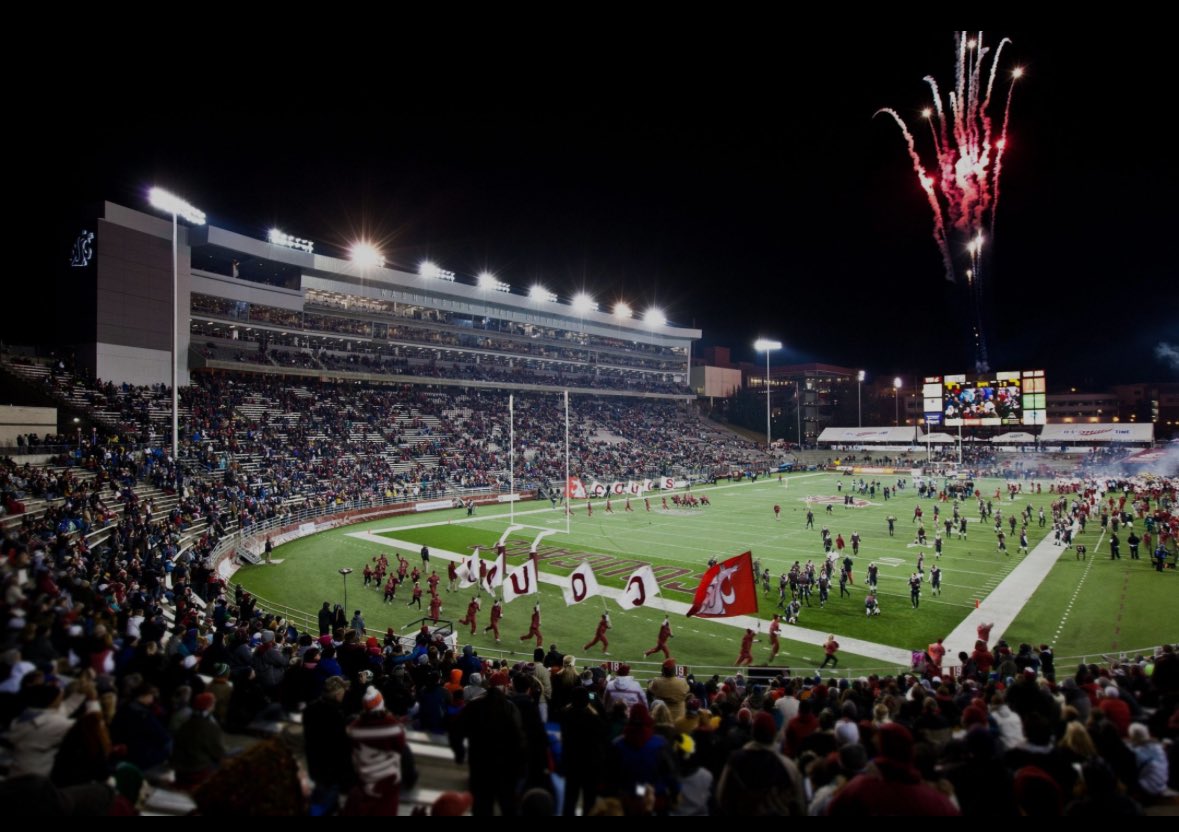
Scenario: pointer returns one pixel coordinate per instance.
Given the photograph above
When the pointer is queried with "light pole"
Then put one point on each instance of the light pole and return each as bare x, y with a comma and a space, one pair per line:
161, 200
768, 346
345, 572
896, 400
798, 408
859, 399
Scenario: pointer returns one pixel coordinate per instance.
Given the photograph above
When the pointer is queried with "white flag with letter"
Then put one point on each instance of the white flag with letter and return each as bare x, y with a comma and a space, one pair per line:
520, 581
469, 570
495, 574
640, 588
582, 585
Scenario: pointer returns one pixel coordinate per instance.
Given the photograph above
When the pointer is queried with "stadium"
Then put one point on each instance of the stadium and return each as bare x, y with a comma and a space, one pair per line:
293, 532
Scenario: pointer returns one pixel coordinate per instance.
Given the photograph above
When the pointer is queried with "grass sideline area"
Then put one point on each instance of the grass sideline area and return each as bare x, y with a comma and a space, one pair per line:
1105, 615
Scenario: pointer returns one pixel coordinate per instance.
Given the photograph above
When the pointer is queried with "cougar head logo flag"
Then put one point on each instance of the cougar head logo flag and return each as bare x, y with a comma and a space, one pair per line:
727, 589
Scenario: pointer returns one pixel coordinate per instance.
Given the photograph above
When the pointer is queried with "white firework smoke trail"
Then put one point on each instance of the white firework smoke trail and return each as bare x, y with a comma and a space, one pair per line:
994, 71
927, 184
1000, 148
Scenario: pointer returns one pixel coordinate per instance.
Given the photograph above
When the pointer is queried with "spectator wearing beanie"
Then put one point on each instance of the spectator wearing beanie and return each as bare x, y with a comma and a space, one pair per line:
199, 744
381, 759
757, 780
1037, 794
670, 688
640, 757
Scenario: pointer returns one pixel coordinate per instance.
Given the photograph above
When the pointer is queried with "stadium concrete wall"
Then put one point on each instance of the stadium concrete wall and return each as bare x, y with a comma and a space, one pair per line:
18, 420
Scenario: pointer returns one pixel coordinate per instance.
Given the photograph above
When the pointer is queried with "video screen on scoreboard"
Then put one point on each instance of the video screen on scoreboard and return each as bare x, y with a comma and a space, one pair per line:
994, 399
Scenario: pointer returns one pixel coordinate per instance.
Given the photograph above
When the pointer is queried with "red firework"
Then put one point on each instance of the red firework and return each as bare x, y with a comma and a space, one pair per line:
962, 182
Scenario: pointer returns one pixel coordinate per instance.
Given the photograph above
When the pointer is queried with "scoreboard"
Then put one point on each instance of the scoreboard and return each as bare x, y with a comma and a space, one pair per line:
992, 400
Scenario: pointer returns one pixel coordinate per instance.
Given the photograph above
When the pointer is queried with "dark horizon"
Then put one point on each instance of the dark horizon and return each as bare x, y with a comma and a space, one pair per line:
779, 209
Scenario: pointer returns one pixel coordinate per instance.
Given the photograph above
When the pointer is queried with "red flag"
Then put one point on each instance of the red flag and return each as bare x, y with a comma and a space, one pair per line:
728, 588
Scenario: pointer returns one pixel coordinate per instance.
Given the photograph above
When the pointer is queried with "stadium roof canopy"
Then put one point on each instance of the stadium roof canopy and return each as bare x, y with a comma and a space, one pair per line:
938, 439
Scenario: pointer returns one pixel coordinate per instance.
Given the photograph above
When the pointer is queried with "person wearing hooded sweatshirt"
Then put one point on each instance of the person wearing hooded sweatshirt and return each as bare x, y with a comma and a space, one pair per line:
891, 785
624, 689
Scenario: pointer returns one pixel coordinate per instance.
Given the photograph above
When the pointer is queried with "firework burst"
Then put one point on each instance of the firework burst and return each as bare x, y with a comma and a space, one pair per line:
962, 180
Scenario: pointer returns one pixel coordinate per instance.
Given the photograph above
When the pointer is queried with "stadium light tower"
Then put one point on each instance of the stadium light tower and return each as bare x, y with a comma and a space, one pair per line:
582, 304
366, 255
896, 400
489, 283
859, 398
161, 200
767, 346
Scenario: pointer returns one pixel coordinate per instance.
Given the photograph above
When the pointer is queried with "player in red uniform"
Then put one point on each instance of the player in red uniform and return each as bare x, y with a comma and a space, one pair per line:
777, 511
534, 627
984, 632
435, 606
432, 582
746, 657
497, 612
452, 576
830, 647
664, 634
600, 635
775, 644
417, 596
609, 508
472, 610
647, 502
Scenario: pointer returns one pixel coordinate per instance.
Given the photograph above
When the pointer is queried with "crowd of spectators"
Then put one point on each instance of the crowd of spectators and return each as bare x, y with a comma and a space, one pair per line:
1011, 734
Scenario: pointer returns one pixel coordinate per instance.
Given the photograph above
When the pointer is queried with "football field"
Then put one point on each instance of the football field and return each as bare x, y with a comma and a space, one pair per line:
1081, 608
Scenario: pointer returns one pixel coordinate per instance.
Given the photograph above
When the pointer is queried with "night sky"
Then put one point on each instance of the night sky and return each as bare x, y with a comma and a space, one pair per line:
746, 193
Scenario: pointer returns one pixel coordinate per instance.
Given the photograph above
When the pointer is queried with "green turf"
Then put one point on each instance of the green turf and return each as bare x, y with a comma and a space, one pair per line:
1119, 605
741, 517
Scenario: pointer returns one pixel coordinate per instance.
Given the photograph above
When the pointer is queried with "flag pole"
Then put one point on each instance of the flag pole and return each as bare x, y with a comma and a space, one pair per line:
568, 510
512, 456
